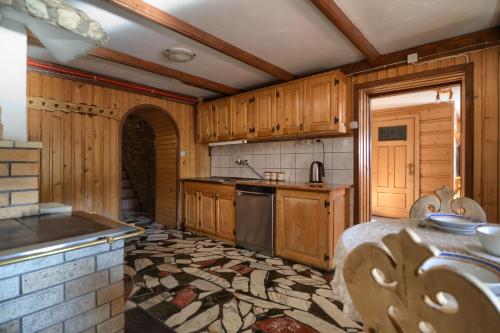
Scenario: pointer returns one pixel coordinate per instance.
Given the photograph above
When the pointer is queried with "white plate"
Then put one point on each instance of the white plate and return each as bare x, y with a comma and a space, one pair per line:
484, 271
455, 221
480, 252
467, 232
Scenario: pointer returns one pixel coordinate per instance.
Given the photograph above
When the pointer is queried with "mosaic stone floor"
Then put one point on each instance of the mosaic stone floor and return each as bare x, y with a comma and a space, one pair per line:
195, 284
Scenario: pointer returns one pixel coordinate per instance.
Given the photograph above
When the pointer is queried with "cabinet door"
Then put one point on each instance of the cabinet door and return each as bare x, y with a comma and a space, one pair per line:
191, 209
226, 216
264, 111
303, 227
240, 115
323, 102
222, 120
207, 212
290, 108
205, 123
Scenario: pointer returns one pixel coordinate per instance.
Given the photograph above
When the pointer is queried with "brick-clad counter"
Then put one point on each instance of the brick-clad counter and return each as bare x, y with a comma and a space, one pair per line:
19, 171
75, 291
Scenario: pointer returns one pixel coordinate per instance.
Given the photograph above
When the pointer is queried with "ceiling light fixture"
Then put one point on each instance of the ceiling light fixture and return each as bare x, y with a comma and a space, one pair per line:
179, 54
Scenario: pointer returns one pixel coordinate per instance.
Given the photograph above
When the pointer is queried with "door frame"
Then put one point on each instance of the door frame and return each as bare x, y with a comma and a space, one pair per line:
169, 118
458, 74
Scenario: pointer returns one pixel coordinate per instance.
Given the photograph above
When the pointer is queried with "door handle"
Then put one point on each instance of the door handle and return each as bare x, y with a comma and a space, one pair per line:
411, 168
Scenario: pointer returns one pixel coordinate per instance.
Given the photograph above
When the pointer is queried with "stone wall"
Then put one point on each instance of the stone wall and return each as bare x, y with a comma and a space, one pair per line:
75, 291
19, 171
138, 158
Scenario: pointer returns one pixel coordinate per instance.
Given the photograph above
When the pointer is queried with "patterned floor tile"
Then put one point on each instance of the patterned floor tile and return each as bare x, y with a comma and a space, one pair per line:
196, 284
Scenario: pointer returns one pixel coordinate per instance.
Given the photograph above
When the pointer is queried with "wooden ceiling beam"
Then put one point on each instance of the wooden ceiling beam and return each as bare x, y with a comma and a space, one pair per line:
446, 47
151, 67
166, 20
333, 12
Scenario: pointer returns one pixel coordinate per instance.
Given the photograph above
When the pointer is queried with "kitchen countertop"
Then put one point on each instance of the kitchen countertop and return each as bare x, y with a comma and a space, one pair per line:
285, 185
26, 237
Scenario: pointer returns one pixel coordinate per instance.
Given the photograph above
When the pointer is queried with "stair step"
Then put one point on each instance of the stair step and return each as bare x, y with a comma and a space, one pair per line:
126, 184
130, 204
128, 193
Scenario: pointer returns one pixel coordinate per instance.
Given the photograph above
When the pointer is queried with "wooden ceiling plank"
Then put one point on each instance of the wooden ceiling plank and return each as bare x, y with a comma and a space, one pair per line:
151, 67
446, 47
333, 12
151, 13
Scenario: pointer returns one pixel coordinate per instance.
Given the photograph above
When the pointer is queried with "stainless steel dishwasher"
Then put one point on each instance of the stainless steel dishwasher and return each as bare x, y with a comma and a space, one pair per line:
255, 218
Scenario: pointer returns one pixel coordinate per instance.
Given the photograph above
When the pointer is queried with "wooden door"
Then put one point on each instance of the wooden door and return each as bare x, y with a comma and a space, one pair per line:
191, 209
207, 212
393, 167
324, 103
290, 108
226, 217
205, 123
240, 114
264, 111
303, 227
222, 120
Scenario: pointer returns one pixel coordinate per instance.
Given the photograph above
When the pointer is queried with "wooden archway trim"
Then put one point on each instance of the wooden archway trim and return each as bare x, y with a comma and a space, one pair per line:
167, 137
462, 74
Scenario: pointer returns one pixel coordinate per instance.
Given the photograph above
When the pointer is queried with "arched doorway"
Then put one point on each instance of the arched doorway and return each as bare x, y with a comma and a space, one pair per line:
166, 161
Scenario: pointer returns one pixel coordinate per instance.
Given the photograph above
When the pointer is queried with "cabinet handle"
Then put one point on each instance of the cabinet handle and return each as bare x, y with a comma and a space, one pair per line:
335, 120
336, 81
301, 127
278, 127
273, 129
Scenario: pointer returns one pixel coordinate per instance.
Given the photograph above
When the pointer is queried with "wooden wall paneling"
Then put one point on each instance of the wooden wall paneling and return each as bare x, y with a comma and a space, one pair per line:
491, 127
485, 118
45, 165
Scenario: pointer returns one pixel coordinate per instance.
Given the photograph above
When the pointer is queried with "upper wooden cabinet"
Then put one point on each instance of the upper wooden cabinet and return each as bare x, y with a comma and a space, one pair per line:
299, 108
241, 115
265, 119
222, 120
290, 108
324, 103
205, 123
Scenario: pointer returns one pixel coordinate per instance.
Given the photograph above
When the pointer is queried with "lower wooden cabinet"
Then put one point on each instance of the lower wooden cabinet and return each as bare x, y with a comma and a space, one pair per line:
209, 209
308, 224
226, 216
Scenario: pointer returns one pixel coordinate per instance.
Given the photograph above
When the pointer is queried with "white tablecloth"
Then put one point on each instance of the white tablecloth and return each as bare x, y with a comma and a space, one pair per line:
374, 232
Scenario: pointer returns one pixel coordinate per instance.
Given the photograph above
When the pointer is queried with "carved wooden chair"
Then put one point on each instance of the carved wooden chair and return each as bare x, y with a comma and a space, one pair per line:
444, 202
393, 294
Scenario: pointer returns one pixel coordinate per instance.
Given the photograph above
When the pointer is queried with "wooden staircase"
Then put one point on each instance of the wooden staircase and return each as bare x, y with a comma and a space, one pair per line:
130, 202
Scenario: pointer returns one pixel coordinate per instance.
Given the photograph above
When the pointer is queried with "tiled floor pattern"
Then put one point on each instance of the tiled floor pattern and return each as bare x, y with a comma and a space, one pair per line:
195, 284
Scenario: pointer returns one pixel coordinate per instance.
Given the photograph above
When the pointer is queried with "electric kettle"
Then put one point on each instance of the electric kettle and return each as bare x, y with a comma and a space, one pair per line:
316, 172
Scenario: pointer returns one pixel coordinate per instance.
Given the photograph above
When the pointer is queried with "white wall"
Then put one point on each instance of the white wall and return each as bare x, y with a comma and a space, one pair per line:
13, 45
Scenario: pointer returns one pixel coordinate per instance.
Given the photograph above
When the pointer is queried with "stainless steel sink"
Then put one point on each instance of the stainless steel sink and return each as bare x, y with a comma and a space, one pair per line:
222, 180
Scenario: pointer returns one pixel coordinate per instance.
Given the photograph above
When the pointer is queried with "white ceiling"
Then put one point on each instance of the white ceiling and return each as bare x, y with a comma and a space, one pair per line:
291, 34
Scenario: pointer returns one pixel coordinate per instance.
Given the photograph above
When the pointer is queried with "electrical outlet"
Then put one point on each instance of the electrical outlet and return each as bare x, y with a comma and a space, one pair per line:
412, 58
182, 153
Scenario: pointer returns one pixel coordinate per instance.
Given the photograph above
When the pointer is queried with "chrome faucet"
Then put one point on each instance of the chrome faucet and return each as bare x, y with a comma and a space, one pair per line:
241, 162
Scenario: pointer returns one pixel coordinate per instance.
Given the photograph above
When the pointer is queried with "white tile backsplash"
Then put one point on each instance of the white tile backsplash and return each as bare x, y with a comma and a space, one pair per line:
292, 157
273, 161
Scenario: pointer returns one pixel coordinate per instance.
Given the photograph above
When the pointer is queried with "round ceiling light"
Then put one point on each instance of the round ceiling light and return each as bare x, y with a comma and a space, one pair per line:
179, 54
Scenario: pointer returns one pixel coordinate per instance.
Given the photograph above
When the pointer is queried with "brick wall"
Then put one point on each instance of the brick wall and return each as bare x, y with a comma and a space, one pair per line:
138, 158
19, 171
76, 291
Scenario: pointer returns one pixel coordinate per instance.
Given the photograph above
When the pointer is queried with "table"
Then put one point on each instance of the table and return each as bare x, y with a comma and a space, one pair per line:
374, 232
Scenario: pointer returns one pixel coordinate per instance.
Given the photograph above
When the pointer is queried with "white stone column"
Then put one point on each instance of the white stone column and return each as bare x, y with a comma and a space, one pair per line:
13, 56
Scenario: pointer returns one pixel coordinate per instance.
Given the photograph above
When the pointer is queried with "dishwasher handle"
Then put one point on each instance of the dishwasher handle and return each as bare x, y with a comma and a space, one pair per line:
239, 192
